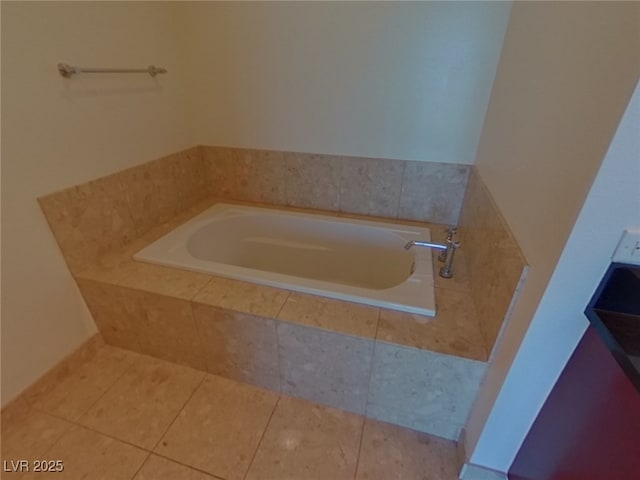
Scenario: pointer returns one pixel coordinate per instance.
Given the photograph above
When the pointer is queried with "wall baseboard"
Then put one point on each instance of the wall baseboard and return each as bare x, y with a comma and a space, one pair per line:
476, 472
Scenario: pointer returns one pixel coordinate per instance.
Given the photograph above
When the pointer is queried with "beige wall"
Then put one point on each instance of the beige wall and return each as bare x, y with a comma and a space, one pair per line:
406, 80
399, 80
57, 132
565, 76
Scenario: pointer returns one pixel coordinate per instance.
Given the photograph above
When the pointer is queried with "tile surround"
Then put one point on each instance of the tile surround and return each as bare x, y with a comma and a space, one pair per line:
411, 190
259, 176
246, 174
242, 296
103, 215
423, 390
156, 191
89, 220
432, 192
460, 280
371, 186
118, 316
292, 342
496, 266
326, 367
173, 314
239, 346
169, 330
313, 181
182, 284
454, 331
329, 314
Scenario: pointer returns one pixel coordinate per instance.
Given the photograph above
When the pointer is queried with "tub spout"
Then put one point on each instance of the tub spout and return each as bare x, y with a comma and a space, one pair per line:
420, 243
449, 250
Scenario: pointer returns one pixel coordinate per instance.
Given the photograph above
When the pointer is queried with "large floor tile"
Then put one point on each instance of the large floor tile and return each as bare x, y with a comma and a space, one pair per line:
219, 429
158, 468
388, 451
90, 455
308, 441
28, 435
72, 393
142, 404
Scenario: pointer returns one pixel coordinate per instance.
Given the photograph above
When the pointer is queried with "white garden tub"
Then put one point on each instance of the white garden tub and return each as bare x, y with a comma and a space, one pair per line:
353, 260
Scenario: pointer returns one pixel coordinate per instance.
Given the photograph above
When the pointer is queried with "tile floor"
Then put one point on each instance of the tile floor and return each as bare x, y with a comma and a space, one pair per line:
124, 416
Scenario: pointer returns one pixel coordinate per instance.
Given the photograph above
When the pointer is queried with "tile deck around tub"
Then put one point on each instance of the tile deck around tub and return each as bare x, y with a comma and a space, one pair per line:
319, 349
453, 331
211, 428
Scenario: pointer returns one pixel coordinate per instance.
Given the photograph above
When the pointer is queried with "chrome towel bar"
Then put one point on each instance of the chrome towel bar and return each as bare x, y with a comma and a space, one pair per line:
67, 70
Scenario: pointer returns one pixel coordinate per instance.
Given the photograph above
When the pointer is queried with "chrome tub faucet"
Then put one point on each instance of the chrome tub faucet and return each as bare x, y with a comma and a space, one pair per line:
448, 251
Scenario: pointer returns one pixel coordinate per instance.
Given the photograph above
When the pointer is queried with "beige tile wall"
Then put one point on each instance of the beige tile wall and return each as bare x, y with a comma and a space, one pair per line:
94, 218
103, 215
496, 265
425, 191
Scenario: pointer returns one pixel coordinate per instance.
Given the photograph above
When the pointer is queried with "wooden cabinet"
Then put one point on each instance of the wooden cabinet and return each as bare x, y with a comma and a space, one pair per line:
589, 426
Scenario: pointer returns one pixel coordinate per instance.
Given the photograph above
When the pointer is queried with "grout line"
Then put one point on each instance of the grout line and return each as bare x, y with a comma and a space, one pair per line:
106, 390
342, 163
280, 376
141, 465
137, 229
66, 430
282, 306
404, 168
76, 423
186, 465
264, 432
366, 407
285, 159
149, 452
375, 334
201, 339
284, 178
364, 423
179, 412
373, 355
199, 290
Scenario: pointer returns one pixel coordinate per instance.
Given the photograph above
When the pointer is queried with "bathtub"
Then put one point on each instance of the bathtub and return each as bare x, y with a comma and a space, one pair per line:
353, 260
